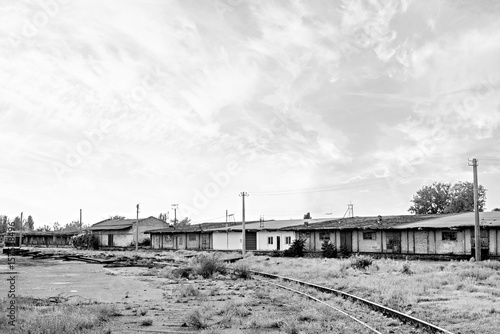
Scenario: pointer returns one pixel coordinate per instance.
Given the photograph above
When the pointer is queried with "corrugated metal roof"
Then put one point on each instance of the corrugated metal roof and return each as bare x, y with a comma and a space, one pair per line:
189, 228
387, 222
270, 225
115, 224
457, 220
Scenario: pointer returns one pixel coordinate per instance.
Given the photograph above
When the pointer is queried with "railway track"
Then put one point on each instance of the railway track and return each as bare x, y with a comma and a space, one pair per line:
386, 311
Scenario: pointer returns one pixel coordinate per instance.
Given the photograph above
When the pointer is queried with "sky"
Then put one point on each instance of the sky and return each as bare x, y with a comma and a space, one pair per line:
306, 106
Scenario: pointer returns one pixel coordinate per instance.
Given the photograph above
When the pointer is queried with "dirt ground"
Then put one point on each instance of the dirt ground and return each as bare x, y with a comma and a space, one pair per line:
219, 305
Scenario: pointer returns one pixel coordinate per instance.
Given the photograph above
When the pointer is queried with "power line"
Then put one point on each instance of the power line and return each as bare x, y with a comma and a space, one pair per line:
313, 190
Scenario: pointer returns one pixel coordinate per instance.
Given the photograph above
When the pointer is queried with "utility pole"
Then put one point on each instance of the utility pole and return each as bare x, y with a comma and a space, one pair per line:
243, 241
226, 216
137, 230
175, 206
477, 230
21, 232
80, 220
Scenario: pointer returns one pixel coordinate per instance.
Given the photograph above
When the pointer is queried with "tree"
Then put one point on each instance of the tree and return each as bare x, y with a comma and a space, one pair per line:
462, 198
29, 224
73, 226
116, 217
57, 226
185, 222
4, 221
443, 198
307, 216
44, 228
431, 199
496, 209
17, 223
163, 216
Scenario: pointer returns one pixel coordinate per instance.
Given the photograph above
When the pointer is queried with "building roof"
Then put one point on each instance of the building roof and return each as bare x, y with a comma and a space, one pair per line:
456, 220
189, 228
116, 224
269, 225
373, 223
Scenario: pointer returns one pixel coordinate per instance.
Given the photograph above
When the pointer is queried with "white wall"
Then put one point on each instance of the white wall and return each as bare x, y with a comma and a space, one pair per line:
262, 237
227, 240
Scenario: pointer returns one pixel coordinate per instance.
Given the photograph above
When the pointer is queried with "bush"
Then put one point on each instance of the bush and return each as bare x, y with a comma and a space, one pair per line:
361, 262
296, 248
196, 319
344, 251
145, 242
85, 241
208, 265
407, 269
242, 270
328, 249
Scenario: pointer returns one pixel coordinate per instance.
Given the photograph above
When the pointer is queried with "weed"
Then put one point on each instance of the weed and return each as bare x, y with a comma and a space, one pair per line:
208, 265
361, 262
196, 319
242, 270
147, 322
407, 269
142, 311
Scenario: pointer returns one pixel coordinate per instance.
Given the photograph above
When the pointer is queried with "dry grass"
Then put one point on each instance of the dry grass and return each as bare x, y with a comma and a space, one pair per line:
459, 296
35, 316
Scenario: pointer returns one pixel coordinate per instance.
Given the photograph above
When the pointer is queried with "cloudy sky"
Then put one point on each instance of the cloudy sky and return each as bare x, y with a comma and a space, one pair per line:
305, 105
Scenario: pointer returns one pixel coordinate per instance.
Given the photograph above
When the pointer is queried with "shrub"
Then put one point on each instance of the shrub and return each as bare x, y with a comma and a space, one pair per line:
242, 270
328, 249
361, 262
406, 269
344, 251
147, 322
195, 319
277, 253
296, 248
145, 242
208, 265
85, 241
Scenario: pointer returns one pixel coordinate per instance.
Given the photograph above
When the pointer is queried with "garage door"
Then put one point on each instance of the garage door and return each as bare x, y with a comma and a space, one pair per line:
251, 240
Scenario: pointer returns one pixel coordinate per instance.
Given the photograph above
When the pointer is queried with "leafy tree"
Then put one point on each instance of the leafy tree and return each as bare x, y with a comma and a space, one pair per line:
185, 222
4, 221
462, 198
307, 216
73, 226
431, 199
29, 224
496, 209
57, 226
443, 198
162, 216
17, 223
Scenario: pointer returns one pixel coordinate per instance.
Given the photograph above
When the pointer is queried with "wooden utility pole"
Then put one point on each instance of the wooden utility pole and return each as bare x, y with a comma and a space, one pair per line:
243, 241
477, 230
21, 232
137, 230
80, 220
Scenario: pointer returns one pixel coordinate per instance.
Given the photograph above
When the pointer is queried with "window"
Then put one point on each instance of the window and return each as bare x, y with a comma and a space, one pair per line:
324, 236
192, 237
288, 240
369, 236
269, 240
451, 236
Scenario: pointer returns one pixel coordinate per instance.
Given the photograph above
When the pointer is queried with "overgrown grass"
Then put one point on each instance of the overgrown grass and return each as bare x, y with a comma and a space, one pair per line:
207, 265
38, 317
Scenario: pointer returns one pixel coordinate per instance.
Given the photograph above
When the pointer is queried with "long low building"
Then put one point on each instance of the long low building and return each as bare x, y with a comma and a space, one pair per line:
417, 235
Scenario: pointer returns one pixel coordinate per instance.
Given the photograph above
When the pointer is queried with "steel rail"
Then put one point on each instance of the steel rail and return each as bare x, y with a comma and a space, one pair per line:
324, 303
418, 323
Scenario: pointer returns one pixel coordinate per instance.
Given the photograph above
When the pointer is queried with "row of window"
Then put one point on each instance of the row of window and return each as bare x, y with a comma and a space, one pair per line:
270, 240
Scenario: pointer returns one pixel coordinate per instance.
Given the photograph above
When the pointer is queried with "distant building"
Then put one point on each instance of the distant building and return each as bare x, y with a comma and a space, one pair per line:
122, 232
